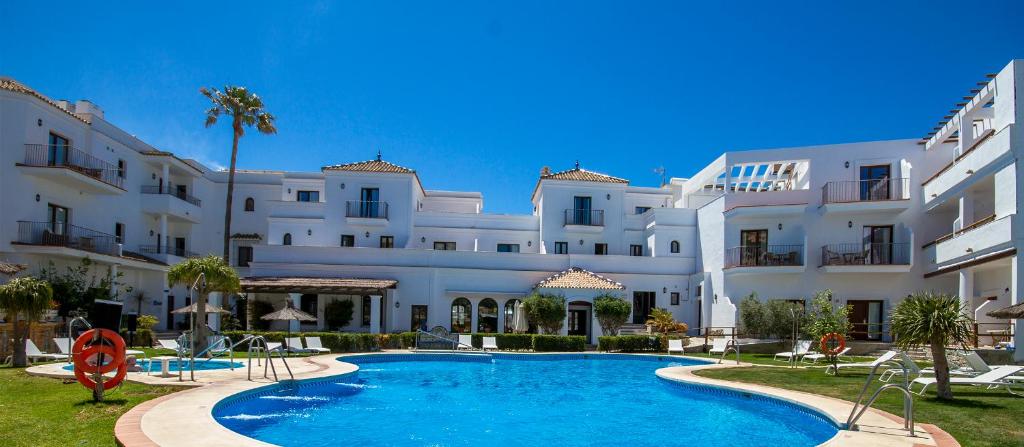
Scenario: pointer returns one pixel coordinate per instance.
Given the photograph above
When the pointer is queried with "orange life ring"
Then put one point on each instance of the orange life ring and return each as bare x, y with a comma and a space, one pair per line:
109, 344
832, 343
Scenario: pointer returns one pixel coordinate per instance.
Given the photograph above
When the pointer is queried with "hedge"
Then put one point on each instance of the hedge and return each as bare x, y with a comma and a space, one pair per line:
636, 343
559, 343
362, 342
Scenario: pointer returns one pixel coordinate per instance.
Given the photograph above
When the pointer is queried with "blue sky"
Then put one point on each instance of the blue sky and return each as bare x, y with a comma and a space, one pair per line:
480, 95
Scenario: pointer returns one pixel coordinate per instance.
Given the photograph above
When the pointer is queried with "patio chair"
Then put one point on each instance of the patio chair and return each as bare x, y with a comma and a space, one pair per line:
465, 341
803, 347
490, 343
914, 369
172, 345
815, 356
217, 345
33, 353
718, 346
314, 344
997, 377
294, 344
888, 356
979, 366
675, 346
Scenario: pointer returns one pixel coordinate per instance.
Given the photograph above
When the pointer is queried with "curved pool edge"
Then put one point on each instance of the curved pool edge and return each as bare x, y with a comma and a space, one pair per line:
161, 422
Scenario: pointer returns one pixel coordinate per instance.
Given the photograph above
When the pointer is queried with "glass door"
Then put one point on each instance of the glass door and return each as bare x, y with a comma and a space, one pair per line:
58, 151
753, 246
58, 219
878, 244
643, 303
874, 182
369, 202
581, 210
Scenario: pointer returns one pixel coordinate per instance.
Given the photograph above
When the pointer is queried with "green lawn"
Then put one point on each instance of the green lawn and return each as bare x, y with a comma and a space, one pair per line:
977, 417
37, 411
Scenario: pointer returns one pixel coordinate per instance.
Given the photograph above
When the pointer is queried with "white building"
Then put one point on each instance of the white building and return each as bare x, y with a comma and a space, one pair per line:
872, 221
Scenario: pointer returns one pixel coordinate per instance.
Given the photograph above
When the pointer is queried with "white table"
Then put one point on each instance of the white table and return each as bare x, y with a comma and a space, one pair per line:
165, 364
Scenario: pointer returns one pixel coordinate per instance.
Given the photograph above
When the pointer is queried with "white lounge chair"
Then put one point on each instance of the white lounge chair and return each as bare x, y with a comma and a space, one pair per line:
314, 344
815, 356
32, 352
997, 377
888, 356
490, 343
218, 345
465, 341
171, 344
915, 370
675, 346
803, 347
718, 346
979, 366
295, 345
273, 346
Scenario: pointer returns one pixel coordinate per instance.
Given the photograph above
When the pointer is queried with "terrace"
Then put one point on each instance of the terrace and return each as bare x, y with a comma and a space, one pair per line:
73, 168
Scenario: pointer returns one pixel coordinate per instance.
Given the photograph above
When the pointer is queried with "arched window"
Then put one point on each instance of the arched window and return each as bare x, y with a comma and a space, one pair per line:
511, 307
487, 316
287, 239
674, 247
250, 204
462, 316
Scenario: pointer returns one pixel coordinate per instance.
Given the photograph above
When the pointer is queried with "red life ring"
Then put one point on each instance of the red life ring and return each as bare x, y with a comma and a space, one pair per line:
109, 344
832, 343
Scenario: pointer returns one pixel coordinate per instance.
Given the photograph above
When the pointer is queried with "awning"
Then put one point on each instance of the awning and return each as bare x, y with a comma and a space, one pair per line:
293, 284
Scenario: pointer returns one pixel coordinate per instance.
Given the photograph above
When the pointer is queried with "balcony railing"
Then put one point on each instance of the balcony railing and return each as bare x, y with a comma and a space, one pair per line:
45, 155
148, 189
764, 256
66, 235
866, 190
584, 217
865, 254
166, 250
979, 223
366, 209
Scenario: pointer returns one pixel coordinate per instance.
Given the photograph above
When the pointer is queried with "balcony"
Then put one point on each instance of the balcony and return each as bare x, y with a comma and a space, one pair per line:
52, 234
989, 153
584, 220
73, 168
881, 195
365, 212
866, 258
765, 259
164, 252
988, 236
176, 205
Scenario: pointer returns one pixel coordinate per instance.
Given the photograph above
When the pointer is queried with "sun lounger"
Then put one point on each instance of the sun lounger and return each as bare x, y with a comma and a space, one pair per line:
218, 345
32, 352
815, 356
465, 341
294, 344
314, 344
915, 370
490, 343
718, 346
997, 377
887, 357
803, 347
675, 346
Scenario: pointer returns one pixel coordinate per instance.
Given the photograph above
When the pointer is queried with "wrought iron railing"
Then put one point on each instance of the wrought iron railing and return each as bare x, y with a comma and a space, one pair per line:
866, 190
764, 256
366, 209
584, 217
51, 155
167, 250
154, 189
66, 235
865, 254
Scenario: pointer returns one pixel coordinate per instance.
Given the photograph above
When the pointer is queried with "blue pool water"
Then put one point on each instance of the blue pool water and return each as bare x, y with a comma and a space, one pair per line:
515, 400
201, 365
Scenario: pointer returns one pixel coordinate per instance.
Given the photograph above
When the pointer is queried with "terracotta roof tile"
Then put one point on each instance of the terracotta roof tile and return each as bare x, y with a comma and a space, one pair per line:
582, 175
377, 165
577, 278
15, 86
247, 236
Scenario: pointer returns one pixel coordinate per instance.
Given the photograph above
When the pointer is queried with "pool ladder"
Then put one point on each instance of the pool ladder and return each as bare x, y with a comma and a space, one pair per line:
908, 398
258, 345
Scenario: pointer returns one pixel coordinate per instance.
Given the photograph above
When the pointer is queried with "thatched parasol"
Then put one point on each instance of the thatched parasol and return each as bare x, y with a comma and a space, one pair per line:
191, 309
288, 313
1013, 312
11, 269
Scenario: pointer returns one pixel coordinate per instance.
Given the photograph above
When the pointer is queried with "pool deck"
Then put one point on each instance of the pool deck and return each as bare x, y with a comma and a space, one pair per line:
186, 418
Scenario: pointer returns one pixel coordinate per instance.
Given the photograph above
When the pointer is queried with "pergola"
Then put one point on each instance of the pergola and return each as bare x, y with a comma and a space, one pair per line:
295, 287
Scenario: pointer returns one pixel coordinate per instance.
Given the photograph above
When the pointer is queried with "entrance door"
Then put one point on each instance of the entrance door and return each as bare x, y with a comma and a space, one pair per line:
874, 182
643, 303
577, 322
754, 245
866, 316
878, 244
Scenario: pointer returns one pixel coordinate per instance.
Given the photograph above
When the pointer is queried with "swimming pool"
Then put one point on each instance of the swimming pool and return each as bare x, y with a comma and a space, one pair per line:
509, 399
201, 365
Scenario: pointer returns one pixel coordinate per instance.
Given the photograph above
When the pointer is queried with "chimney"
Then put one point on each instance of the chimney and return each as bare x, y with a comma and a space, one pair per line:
545, 171
66, 105
86, 107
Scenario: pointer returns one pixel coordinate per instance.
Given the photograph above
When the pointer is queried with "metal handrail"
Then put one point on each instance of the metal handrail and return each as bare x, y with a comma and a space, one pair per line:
868, 190
367, 209
774, 255
908, 399
259, 343
71, 325
62, 234
866, 254
454, 342
584, 216
156, 189
731, 344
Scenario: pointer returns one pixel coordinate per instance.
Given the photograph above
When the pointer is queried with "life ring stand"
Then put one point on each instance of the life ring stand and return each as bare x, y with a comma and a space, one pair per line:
832, 343
108, 343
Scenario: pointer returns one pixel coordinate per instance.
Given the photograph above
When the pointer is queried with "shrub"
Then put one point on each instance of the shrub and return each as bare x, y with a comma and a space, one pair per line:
559, 343
779, 318
147, 322
753, 318
546, 310
335, 341
506, 342
612, 312
664, 322
631, 343
338, 314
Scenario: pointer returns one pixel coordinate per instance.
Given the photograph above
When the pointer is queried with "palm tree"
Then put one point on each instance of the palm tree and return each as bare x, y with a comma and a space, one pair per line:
928, 318
246, 110
30, 298
217, 276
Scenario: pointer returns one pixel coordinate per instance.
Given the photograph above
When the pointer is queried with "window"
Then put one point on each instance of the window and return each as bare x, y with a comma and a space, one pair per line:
287, 239
366, 310
581, 214
487, 316
119, 233
674, 298
308, 196
369, 202
511, 307
250, 204
462, 315
244, 256
561, 248
58, 216
419, 317
673, 247
308, 303
444, 245
642, 209
600, 249
508, 248
121, 167
636, 250
348, 240
58, 150
387, 242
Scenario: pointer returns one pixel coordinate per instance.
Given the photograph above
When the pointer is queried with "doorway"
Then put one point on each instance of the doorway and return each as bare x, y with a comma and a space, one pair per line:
581, 210
577, 322
874, 182
754, 246
866, 317
179, 246
643, 303
169, 325
878, 244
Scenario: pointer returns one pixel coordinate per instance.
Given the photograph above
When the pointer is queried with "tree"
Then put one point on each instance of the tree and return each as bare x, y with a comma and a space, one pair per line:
246, 110
217, 276
612, 312
338, 314
78, 286
753, 316
928, 318
27, 298
546, 310
826, 318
